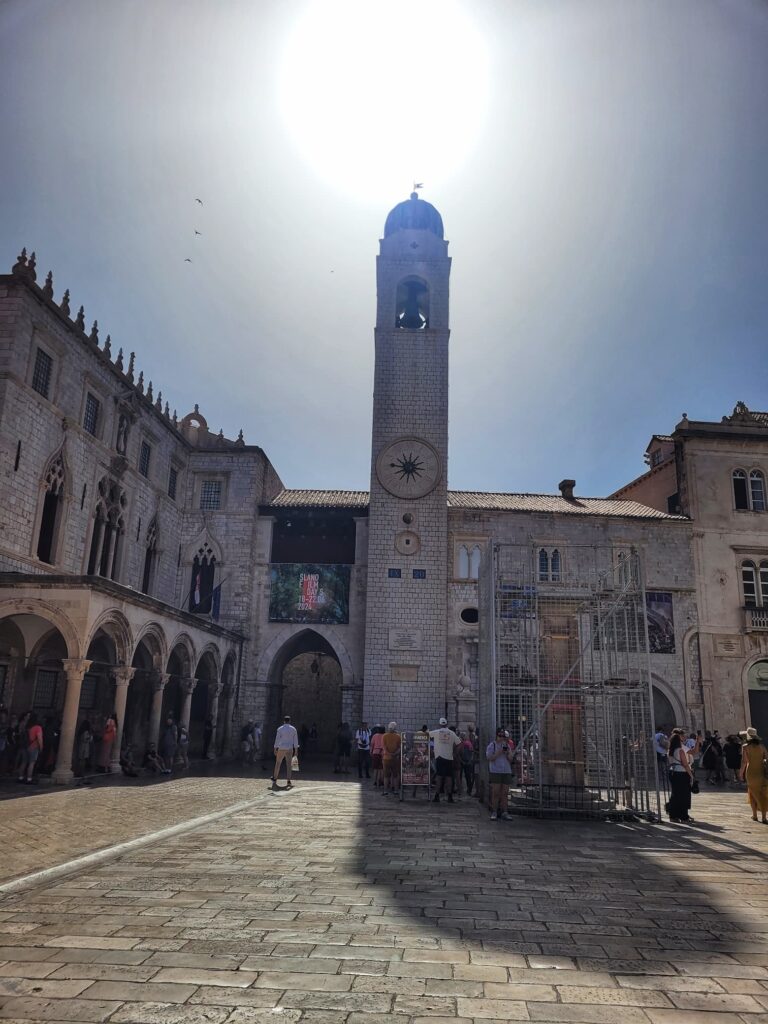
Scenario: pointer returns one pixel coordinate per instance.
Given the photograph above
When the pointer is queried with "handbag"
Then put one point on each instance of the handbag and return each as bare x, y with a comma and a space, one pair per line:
695, 786
295, 763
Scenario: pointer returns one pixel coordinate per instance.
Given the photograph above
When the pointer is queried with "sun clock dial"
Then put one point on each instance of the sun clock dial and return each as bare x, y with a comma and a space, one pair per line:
408, 468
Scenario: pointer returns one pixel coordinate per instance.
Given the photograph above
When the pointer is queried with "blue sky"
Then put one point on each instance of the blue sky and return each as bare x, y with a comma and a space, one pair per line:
607, 218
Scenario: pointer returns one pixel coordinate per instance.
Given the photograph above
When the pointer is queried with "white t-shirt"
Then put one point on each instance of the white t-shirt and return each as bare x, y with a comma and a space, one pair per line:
286, 737
444, 741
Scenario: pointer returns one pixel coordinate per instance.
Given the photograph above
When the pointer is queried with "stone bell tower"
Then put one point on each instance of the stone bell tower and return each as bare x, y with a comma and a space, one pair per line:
405, 637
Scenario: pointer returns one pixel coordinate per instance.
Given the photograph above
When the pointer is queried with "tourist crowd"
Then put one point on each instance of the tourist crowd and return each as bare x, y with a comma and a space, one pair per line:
742, 758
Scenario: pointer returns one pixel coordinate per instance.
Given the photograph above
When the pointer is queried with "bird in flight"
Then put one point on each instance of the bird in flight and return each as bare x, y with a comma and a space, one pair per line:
187, 260
198, 232
199, 201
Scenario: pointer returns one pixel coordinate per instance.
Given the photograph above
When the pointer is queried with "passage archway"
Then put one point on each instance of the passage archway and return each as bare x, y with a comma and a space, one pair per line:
306, 678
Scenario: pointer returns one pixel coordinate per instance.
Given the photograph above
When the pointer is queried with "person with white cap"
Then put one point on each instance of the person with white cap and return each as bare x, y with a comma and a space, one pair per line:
445, 740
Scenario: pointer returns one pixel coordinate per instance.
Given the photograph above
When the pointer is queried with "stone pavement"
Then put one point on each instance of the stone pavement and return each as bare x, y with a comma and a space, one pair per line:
334, 905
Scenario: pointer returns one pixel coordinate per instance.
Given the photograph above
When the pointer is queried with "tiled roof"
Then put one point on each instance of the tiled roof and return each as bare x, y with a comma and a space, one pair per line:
661, 437
553, 503
482, 501
761, 417
320, 499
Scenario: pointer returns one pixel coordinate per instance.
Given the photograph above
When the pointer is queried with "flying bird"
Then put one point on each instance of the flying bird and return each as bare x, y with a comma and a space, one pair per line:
187, 260
199, 201
198, 232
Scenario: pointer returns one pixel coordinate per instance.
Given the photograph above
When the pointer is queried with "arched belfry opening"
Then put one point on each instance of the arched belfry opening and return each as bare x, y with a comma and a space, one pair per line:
412, 304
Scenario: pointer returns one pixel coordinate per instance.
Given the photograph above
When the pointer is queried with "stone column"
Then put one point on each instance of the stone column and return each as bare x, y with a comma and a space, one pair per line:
123, 676
158, 688
75, 669
187, 688
213, 713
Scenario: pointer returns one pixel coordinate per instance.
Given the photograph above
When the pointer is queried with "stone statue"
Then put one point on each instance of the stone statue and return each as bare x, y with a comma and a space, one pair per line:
122, 435
464, 684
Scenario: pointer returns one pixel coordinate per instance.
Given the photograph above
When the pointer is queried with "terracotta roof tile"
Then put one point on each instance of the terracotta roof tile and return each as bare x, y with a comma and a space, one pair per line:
482, 501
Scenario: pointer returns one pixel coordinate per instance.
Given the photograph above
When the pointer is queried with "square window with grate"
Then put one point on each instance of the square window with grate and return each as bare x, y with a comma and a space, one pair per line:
173, 476
91, 415
41, 376
210, 494
419, 574
145, 454
45, 688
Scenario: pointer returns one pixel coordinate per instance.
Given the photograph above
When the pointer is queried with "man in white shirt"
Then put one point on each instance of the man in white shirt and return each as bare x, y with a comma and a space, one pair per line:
363, 744
445, 740
286, 745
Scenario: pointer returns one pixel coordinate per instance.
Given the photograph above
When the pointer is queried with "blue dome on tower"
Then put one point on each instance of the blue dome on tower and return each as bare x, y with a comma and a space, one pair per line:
414, 215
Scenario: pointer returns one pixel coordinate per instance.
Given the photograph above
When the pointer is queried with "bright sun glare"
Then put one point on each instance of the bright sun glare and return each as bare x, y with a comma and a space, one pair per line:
377, 94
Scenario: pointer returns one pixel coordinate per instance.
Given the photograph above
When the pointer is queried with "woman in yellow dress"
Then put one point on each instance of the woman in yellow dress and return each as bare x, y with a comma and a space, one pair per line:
753, 757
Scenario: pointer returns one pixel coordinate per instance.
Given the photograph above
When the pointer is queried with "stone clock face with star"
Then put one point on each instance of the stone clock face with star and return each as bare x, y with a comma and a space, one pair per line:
408, 468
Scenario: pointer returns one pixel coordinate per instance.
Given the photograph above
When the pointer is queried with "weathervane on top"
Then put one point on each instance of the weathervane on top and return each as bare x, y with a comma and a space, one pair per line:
416, 186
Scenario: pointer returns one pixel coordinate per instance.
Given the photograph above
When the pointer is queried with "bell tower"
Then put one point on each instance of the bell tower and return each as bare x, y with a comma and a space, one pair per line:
405, 636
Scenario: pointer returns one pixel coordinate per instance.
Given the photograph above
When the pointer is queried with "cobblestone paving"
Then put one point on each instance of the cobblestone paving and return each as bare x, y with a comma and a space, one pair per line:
46, 828
333, 905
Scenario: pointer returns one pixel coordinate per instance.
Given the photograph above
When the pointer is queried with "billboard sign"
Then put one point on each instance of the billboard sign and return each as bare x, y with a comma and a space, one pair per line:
302, 592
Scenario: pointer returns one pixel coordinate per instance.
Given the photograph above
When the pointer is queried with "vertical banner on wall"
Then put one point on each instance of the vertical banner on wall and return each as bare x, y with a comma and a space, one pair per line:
661, 623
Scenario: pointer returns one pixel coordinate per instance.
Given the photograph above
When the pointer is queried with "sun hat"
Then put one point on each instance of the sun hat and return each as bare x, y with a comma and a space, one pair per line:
751, 732
392, 726
443, 721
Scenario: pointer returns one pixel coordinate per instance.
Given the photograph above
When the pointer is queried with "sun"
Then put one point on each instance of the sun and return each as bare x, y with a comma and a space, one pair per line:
376, 95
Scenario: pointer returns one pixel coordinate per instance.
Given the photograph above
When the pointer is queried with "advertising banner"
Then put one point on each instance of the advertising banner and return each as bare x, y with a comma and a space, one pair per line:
415, 760
661, 623
309, 593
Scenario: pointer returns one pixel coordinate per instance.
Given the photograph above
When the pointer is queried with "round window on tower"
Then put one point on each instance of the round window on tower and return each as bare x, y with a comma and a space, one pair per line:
469, 616
412, 304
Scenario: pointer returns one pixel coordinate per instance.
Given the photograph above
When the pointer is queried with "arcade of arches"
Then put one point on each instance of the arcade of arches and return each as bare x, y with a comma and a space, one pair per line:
66, 679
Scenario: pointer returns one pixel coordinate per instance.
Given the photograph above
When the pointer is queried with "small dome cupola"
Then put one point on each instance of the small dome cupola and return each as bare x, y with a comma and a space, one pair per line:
414, 215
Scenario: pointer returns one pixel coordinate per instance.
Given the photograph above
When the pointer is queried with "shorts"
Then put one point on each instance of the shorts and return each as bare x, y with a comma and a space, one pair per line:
377, 762
500, 778
344, 748
32, 754
391, 768
444, 767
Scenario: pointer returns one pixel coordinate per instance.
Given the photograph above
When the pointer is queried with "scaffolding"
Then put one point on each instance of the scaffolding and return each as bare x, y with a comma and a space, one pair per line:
565, 669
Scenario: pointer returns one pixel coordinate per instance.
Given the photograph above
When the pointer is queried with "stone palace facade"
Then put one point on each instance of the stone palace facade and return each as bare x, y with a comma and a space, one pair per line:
151, 566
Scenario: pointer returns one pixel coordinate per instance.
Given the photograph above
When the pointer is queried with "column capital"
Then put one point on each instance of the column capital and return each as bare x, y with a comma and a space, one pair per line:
188, 683
160, 680
76, 667
123, 675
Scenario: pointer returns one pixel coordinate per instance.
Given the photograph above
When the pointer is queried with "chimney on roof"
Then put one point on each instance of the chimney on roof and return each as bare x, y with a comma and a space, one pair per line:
566, 489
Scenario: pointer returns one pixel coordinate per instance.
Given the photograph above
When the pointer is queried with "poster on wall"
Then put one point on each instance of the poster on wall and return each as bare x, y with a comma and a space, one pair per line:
414, 765
309, 593
661, 624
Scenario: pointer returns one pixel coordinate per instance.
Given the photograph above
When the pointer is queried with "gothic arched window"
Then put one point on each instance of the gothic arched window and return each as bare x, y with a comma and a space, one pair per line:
53, 506
555, 566
108, 529
740, 492
543, 565
757, 490
150, 557
201, 585
463, 562
412, 304
474, 562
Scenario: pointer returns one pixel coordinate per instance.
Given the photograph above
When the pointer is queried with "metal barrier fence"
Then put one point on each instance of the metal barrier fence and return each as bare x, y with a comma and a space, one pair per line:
565, 669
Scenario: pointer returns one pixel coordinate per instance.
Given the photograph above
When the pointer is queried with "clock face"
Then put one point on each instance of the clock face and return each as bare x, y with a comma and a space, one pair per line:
408, 468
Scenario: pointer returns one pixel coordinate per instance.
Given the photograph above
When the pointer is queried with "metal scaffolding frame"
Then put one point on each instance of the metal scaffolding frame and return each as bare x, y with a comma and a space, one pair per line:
565, 668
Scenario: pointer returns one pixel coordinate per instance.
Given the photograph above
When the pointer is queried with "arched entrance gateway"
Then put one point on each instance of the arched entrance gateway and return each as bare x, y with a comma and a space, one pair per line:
306, 678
